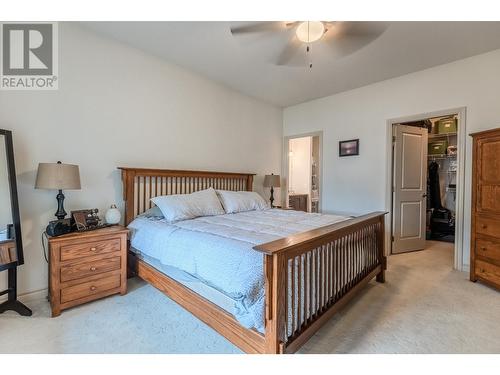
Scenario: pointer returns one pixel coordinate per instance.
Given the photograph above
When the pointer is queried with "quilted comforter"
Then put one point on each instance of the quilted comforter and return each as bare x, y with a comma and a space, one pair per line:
218, 250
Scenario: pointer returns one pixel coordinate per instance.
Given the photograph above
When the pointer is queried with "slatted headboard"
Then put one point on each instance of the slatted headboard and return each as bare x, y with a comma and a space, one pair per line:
142, 184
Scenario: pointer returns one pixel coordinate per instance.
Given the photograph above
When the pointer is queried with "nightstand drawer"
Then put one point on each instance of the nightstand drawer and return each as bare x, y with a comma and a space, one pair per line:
79, 270
488, 271
81, 250
90, 288
488, 249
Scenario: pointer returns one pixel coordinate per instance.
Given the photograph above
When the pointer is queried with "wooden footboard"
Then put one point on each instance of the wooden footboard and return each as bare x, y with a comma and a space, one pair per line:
311, 275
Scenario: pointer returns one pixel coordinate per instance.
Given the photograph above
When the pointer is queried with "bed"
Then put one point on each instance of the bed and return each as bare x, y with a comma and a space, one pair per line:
266, 280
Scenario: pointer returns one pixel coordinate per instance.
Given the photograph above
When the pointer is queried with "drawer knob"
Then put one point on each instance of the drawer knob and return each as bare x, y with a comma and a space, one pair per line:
93, 249
93, 268
481, 270
484, 226
483, 248
93, 288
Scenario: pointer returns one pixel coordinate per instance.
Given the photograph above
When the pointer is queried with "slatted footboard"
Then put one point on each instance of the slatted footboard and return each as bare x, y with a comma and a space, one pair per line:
311, 275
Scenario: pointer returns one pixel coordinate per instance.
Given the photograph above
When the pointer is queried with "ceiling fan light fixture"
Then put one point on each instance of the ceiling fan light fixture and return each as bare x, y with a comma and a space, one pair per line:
310, 31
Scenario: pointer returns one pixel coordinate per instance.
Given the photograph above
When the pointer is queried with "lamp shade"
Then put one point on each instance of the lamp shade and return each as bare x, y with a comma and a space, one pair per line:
272, 180
58, 176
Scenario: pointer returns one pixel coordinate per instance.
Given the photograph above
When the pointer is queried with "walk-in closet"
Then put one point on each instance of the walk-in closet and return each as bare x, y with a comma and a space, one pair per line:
441, 178
424, 183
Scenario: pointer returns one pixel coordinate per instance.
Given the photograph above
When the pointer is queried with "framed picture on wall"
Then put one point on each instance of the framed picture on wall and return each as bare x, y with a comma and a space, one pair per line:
349, 148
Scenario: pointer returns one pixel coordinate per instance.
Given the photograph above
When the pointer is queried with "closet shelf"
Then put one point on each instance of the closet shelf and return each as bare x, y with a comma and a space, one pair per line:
444, 135
441, 156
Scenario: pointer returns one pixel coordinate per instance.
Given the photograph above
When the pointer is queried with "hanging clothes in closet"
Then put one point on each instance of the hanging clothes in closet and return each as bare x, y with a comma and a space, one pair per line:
442, 221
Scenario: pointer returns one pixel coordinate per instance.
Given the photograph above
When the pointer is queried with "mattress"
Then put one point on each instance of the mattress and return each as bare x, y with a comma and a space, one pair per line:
214, 256
196, 285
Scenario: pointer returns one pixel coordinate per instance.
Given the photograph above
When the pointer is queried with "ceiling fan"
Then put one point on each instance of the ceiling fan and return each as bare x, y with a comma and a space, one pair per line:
298, 37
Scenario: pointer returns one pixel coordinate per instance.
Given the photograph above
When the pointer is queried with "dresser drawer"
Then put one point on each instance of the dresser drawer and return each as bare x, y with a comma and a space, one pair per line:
81, 250
489, 227
488, 249
90, 288
488, 271
8, 253
79, 270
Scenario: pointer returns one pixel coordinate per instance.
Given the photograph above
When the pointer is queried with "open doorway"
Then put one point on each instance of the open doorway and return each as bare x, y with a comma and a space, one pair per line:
303, 172
427, 183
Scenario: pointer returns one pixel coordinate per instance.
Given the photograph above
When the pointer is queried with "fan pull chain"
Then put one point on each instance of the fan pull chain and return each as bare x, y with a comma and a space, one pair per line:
308, 56
308, 48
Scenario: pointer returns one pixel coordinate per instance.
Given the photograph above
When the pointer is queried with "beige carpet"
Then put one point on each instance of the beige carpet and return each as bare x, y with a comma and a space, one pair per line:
424, 307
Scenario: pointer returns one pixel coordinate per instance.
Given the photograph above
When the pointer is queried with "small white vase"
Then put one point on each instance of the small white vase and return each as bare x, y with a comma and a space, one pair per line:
113, 215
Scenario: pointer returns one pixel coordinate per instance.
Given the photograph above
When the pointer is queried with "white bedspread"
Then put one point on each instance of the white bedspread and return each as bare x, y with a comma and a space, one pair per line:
218, 250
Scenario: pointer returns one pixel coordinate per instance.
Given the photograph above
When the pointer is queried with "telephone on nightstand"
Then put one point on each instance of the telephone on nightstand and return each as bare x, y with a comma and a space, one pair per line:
60, 227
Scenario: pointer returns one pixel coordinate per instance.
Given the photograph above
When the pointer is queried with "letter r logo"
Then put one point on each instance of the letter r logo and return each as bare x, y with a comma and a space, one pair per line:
27, 49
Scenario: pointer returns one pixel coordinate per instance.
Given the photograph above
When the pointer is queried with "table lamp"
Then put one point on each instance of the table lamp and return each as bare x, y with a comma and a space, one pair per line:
272, 181
58, 176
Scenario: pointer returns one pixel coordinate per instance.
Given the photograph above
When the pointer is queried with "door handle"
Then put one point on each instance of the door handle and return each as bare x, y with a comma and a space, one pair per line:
424, 195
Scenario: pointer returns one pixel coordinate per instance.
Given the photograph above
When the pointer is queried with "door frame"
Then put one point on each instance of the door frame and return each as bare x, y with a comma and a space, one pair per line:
461, 112
285, 166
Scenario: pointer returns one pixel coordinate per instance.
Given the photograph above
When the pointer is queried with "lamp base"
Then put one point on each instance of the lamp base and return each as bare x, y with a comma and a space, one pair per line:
271, 199
60, 214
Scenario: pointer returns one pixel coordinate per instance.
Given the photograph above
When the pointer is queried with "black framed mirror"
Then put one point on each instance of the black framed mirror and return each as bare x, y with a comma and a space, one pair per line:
11, 243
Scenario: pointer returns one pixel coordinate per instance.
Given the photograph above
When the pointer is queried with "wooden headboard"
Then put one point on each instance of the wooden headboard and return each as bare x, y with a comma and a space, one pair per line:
142, 184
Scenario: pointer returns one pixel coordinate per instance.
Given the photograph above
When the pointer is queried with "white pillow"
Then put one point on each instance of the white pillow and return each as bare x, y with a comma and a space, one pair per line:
188, 206
240, 201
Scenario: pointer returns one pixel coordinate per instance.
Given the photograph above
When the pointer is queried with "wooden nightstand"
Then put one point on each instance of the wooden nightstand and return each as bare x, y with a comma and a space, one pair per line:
85, 266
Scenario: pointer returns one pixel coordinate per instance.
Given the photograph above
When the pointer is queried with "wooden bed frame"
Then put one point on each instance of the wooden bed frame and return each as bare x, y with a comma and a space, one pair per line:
311, 274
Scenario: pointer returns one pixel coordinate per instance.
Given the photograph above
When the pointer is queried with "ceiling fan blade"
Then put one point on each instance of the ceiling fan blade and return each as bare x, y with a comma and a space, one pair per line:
358, 27
289, 52
346, 38
258, 27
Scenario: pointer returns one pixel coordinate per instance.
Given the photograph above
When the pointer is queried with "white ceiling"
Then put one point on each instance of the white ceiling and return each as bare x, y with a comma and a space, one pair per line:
210, 49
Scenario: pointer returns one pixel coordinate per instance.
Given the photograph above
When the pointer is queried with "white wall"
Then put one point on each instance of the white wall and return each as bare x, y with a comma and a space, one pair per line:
117, 106
358, 183
300, 165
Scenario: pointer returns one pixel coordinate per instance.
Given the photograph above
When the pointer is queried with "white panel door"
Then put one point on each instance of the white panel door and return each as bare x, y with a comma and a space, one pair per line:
409, 188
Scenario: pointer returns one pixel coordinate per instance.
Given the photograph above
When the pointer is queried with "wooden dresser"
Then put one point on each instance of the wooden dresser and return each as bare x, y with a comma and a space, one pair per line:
85, 266
485, 237
8, 252
298, 202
